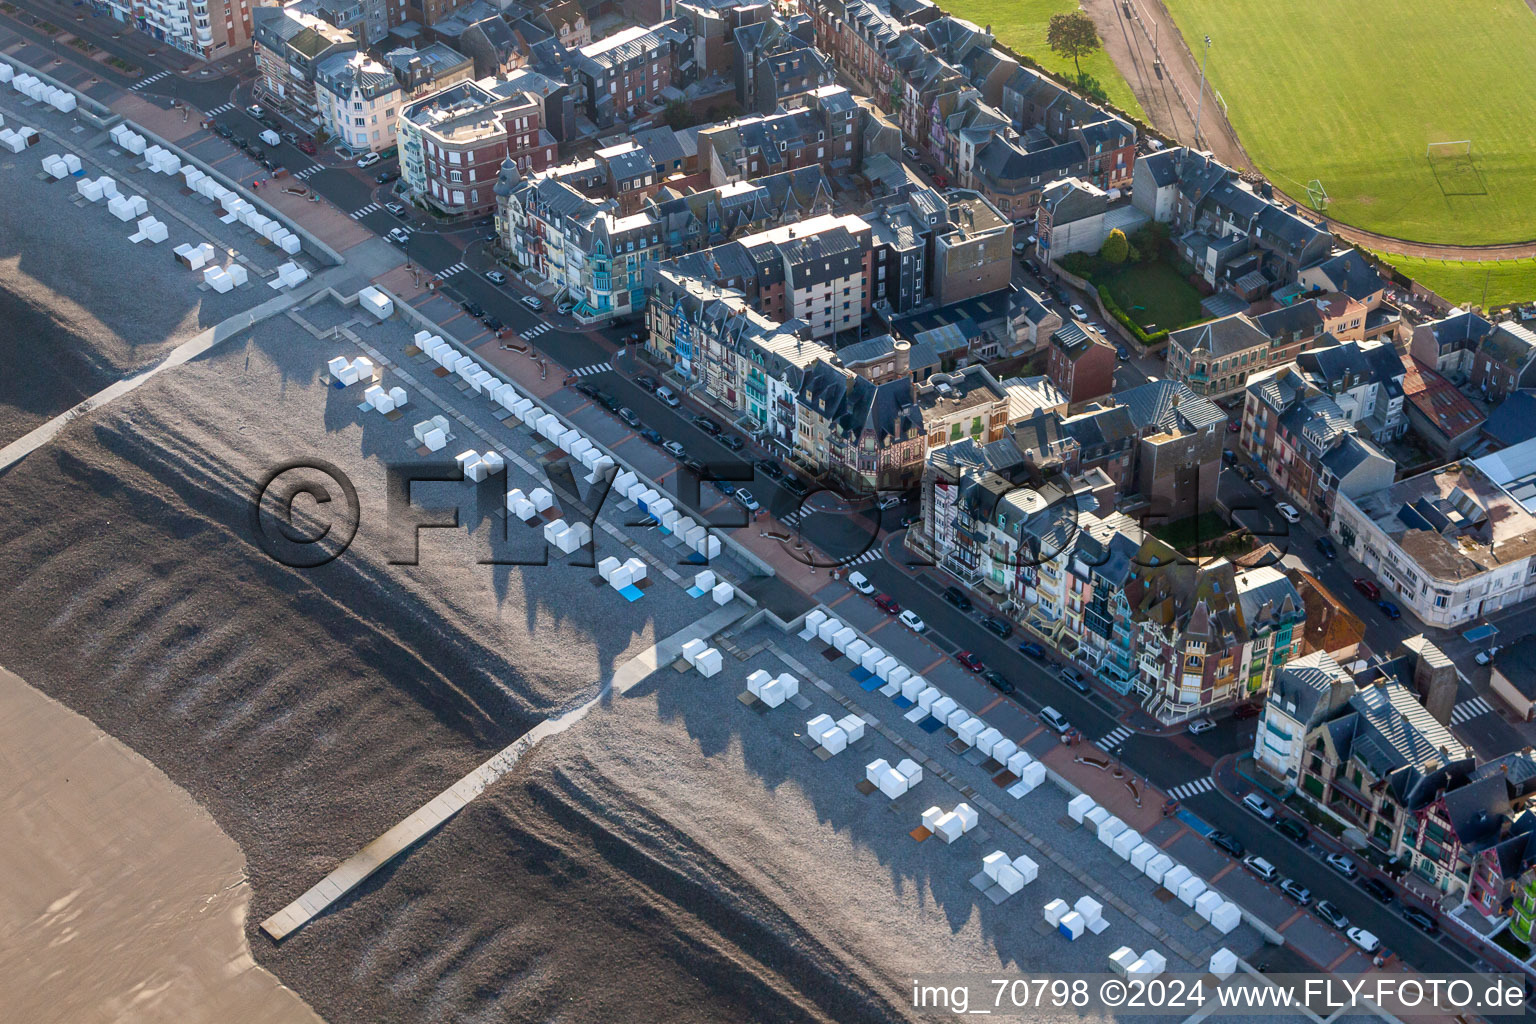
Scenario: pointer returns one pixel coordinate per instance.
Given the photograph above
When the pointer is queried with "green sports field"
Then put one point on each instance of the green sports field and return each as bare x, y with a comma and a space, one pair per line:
1352, 93
1020, 25
1489, 284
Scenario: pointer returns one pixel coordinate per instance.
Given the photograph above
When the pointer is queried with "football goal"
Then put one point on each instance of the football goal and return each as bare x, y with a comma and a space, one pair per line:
1317, 195
1455, 168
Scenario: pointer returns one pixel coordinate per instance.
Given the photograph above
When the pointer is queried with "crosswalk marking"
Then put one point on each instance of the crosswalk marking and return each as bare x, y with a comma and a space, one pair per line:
534, 332
362, 212
1470, 709
222, 109
1190, 789
141, 83
454, 269
1113, 739
306, 172
797, 515
872, 555
587, 371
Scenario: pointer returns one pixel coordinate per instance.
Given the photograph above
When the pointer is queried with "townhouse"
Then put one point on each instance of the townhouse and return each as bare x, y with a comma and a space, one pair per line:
359, 100
423, 70
1305, 693
1452, 544
1235, 235
1077, 216
712, 216
1490, 360
1217, 357
971, 244
1080, 362
624, 75
290, 44
453, 144
1307, 444
1183, 638
826, 128
595, 256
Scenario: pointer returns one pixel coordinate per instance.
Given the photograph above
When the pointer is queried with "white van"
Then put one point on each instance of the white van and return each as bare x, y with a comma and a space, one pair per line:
1364, 939
1258, 805
665, 394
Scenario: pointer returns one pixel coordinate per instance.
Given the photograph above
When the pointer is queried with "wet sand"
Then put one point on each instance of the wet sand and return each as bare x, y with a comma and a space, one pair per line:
120, 898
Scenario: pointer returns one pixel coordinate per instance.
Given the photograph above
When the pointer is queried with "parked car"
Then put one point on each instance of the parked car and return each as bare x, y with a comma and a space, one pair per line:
398, 209
970, 660
1331, 914
1342, 864
1326, 547
707, 425
648, 383
770, 469
887, 604
385, 177
1247, 709
1378, 890
1485, 657
998, 681
1078, 312
958, 598
1073, 678
628, 416
675, 449
1288, 512
794, 485
495, 277
492, 323
1292, 829
993, 624
1258, 805
1389, 609
1263, 487
255, 111
665, 394
747, 501
533, 302
1364, 939
652, 435
564, 308
910, 619
1369, 589
1201, 725
1421, 920
1229, 843
607, 401
473, 308
1122, 353
367, 160
1032, 649
1055, 719
858, 581
1296, 891
735, 442
224, 130
306, 146
1261, 867
890, 501
291, 138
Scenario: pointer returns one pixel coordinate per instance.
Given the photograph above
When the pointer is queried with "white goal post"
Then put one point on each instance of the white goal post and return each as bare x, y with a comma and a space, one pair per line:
1460, 147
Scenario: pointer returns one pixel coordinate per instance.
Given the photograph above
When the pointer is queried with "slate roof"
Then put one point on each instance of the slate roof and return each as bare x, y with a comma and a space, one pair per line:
1166, 406
1310, 684
1300, 319
1222, 337
1162, 166
1514, 420
1351, 273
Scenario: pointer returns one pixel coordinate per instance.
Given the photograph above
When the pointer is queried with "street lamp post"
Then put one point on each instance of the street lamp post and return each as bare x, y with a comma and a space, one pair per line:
1200, 100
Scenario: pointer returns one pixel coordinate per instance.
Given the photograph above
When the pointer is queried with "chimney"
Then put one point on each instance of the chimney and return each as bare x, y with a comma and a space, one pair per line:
903, 358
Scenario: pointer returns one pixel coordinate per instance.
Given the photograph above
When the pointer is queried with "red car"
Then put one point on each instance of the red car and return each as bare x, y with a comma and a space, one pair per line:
1247, 710
1368, 588
306, 146
969, 660
887, 604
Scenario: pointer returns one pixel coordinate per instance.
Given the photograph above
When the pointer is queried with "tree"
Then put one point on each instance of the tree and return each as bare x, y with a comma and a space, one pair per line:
679, 115
1116, 249
1072, 35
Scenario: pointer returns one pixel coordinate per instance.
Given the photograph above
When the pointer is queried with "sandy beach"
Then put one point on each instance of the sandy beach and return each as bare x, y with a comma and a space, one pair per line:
120, 899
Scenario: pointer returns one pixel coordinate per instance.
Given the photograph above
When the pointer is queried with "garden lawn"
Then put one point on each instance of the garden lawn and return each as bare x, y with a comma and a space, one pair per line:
1353, 93
1166, 300
1020, 25
1487, 283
